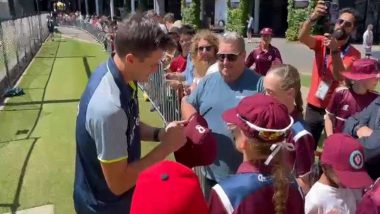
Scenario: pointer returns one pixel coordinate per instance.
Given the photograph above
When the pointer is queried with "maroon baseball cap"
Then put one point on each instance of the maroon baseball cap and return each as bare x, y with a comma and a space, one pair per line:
346, 157
266, 31
200, 148
363, 69
168, 188
260, 113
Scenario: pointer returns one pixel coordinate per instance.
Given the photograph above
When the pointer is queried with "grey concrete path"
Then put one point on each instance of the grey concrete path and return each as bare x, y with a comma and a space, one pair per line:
75, 33
298, 55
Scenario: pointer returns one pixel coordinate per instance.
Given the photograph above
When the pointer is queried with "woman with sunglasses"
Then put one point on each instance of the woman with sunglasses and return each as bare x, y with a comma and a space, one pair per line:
265, 55
203, 54
263, 183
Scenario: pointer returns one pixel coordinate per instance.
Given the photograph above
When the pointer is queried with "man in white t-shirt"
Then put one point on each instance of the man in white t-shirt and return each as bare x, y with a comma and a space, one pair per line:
368, 39
340, 187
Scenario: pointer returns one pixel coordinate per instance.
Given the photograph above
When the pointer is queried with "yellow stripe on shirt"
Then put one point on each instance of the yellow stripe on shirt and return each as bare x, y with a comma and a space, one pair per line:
113, 161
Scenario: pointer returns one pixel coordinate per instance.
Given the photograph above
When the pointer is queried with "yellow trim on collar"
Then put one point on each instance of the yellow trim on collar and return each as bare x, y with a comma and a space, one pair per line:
132, 84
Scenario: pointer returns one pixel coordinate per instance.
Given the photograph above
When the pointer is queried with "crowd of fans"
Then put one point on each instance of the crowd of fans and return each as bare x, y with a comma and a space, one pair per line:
244, 126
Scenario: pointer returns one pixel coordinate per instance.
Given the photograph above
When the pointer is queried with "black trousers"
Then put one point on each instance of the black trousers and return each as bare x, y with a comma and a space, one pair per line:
314, 117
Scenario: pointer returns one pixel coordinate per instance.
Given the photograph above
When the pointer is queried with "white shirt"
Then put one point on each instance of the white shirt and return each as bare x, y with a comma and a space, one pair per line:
213, 68
367, 38
323, 198
163, 28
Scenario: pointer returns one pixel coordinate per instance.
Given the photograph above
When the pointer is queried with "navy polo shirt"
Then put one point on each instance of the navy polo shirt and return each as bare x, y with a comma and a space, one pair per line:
107, 130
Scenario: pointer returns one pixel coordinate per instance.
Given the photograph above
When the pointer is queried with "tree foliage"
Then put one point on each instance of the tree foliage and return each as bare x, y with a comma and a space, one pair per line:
296, 17
191, 13
237, 17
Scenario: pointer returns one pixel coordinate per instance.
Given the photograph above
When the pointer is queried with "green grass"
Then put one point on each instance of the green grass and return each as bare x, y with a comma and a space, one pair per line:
37, 140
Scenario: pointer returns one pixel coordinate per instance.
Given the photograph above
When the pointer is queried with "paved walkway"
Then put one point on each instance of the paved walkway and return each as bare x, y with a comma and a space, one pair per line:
298, 55
75, 33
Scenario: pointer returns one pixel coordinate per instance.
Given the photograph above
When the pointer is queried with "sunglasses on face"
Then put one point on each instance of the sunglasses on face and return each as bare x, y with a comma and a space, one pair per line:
229, 57
204, 48
344, 23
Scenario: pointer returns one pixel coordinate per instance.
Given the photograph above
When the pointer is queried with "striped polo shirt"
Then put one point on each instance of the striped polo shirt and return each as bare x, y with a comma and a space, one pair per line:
107, 131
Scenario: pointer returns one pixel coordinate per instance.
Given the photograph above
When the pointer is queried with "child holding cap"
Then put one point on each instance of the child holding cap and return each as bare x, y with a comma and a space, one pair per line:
345, 101
263, 183
340, 186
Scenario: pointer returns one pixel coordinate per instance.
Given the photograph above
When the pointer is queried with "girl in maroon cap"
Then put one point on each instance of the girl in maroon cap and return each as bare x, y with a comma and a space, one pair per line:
346, 101
263, 183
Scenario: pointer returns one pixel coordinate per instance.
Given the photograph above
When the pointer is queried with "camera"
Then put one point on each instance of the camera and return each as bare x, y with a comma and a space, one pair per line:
327, 22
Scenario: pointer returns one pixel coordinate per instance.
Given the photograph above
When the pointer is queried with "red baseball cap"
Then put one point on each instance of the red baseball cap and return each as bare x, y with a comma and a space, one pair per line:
345, 155
168, 188
266, 31
200, 148
363, 69
260, 113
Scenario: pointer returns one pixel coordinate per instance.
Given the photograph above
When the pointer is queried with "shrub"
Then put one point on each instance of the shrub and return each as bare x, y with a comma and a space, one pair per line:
237, 17
295, 19
190, 14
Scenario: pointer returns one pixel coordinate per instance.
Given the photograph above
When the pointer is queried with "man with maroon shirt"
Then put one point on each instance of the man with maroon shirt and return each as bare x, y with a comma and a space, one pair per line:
265, 55
333, 55
263, 183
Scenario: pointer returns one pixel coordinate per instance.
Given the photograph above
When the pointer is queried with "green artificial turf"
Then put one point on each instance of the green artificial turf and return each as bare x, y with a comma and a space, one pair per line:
37, 130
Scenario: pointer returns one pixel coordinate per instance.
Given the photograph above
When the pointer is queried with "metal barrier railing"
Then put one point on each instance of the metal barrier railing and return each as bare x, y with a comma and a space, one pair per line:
99, 34
20, 39
164, 99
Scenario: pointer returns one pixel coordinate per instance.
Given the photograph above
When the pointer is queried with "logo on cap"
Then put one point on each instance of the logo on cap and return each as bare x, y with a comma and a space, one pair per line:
356, 159
200, 129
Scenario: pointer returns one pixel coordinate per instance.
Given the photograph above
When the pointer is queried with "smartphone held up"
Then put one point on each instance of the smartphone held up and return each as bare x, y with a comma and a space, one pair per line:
332, 14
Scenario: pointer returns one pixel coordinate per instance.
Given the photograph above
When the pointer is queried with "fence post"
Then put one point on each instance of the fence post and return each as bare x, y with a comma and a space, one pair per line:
5, 56
23, 37
30, 36
17, 44
39, 29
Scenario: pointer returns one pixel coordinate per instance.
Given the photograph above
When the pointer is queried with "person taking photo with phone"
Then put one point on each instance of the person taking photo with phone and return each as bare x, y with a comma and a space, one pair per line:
333, 55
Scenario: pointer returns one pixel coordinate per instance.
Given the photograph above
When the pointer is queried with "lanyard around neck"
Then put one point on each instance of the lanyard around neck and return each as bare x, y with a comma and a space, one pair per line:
343, 54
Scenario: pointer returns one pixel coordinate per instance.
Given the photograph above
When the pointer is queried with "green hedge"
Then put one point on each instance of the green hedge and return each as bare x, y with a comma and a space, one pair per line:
237, 17
191, 14
295, 19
